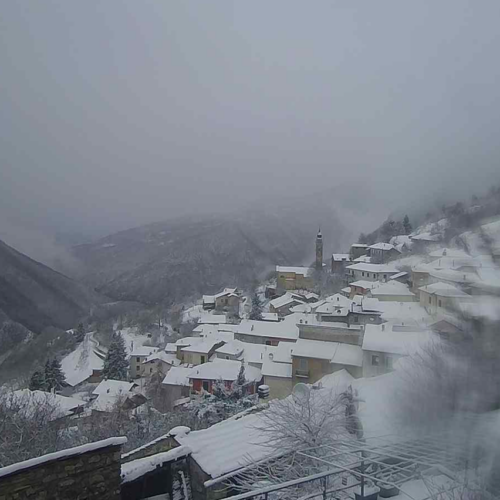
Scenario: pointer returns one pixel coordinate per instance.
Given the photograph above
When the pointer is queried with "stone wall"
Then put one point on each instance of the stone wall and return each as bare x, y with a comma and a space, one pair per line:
159, 445
90, 472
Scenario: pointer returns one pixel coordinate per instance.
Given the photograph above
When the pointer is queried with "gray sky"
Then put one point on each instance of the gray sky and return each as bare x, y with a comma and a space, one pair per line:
118, 113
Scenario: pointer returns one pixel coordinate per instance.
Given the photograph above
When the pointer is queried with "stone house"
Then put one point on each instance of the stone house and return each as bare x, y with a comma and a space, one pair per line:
313, 359
339, 262
294, 278
159, 362
440, 298
283, 305
384, 344
175, 385
226, 301
278, 377
137, 357
370, 272
361, 287
381, 253
392, 291
201, 352
204, 377
357, 250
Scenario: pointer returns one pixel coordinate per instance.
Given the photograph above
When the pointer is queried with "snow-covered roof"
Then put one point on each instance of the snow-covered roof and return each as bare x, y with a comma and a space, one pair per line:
283, 352
304, 271
340, 257
136, 468
335, 352
171, 347
426, 237
208, 299
284, 300
271, 368
270, 317
392, 288
203, 347
384, 338
373, 268
227, 291
363, 258
449, 252
229, 445
348, 354
81, 363
382, 246
212, 319
398, 275
257, 353
62, 405
367, 285
224, 369
340, 380
443, 290
113, 388
403, 311
370, 304
178, 375
286, 329
187, 341
69, 452
143, 350
169, 358
232, 348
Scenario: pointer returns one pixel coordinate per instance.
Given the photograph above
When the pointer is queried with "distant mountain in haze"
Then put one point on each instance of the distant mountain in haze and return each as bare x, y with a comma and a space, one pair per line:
36, 296
168, 262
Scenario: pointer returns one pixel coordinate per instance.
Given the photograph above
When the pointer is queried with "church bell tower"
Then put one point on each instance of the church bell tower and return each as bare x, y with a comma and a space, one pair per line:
319, 251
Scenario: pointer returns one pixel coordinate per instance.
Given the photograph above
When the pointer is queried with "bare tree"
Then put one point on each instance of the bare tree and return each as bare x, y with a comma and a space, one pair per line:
29, 427
298, 431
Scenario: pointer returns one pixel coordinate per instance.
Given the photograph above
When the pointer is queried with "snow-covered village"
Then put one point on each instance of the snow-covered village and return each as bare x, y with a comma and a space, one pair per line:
303, 386
249, 250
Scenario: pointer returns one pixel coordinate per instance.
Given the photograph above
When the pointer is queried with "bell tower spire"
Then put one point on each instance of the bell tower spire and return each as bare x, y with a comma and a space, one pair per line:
319, 251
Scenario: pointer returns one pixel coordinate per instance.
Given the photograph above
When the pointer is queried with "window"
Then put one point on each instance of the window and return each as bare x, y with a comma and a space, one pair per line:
227, 357
268, 342
430, 301
355, 319
138, 359
202, 359
439, 302
205, 385
385, 276
303, 364
151, 370
362, 274
375, 360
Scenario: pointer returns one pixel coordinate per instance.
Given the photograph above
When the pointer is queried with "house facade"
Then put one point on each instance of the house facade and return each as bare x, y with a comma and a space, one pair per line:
381, 253
294, 278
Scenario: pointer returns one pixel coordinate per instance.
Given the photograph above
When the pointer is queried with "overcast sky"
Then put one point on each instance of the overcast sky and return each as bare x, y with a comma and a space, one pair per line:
116, 113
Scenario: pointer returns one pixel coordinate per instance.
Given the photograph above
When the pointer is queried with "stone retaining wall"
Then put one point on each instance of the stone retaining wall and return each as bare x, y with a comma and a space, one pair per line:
89, 475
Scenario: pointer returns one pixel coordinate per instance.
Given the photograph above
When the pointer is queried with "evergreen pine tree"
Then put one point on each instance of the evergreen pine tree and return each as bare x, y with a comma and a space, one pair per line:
57, 374
49, 376
407, 225
256, 312
80, 333
241, 380
116, 364
37, 382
